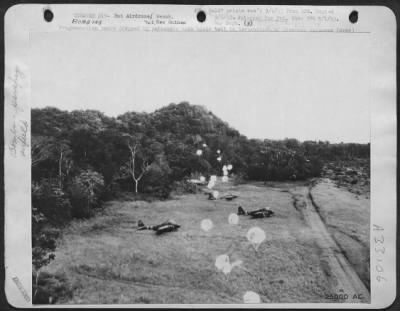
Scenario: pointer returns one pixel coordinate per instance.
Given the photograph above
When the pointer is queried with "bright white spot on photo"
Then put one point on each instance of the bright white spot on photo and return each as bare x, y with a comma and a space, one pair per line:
219, 159
215, 194
202, 178
211, 183
223, 263
227, 269
233, 219
256, 236
204, 145
206, 224
251, 297
218, 151
199, 152
230, 167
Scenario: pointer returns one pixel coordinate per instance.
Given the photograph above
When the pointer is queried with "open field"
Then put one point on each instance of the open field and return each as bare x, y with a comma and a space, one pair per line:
347, 218
108, 261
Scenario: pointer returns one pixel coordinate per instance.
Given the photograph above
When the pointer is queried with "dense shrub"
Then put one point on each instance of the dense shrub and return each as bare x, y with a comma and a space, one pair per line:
43, 240
49, 289
79, 202
84, 191
183, 186
238, 179
43, 246
157, 180
51, 201
108, 192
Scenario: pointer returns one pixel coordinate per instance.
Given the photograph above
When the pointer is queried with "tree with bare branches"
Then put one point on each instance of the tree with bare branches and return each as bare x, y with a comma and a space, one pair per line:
40, 149
63, 151
132, 166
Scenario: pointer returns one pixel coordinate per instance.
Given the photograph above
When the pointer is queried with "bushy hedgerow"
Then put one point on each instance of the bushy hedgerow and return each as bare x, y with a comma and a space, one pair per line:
50, 288
51, 201
43, 246
157, 181
84, 192
183, 186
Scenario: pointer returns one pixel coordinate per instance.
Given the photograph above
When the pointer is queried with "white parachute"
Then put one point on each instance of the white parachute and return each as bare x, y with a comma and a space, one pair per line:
251, 297
215, 194
211, 183
223, 263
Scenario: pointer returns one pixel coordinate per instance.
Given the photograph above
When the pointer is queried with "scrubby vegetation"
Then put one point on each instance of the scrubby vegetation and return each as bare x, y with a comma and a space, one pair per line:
354, 175
83, 158
146, 152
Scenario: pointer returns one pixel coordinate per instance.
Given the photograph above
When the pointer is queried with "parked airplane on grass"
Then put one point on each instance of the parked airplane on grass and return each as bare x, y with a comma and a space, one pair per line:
166, 226
260, 213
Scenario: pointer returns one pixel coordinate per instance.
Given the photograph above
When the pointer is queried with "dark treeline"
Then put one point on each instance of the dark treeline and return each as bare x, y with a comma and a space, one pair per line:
82, 158
89, 157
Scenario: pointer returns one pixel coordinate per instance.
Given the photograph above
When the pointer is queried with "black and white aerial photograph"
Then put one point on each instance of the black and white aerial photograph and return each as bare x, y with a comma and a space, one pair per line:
200, 167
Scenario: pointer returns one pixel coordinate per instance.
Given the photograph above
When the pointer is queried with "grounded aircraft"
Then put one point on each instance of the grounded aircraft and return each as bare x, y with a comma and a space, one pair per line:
260, 213
166, 226
214, 196
229, 197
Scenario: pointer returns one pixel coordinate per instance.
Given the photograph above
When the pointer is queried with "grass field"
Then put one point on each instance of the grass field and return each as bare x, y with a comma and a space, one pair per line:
108, 261
347, 217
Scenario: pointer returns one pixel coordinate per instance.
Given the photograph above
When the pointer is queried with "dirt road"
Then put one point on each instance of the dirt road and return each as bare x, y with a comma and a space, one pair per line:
346, 280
